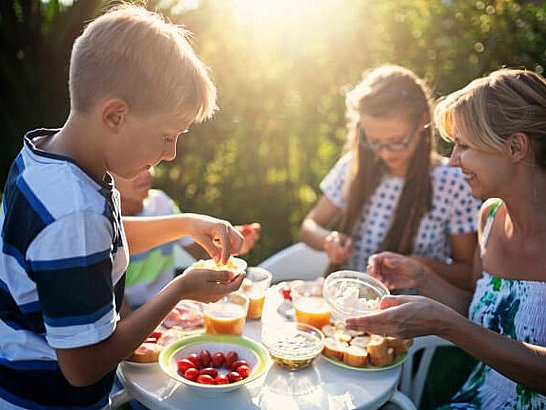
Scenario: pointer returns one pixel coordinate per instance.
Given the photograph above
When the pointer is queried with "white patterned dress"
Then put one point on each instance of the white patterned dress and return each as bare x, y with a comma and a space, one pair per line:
454, 211
512, 308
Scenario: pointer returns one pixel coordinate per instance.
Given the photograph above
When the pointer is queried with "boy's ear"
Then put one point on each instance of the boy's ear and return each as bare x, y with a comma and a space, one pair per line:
114, 113
518, 146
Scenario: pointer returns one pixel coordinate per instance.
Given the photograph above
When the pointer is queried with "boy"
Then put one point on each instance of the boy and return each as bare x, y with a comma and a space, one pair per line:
150, 271
135, 85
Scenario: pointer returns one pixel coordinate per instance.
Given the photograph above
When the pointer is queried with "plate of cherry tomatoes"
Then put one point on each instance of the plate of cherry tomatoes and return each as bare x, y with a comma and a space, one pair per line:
212, 364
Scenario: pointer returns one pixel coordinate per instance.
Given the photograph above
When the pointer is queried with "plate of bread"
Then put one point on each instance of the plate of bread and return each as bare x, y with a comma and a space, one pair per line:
358, 350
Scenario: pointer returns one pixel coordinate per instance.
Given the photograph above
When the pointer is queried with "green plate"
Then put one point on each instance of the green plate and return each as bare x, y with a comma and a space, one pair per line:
399, 360
247, 349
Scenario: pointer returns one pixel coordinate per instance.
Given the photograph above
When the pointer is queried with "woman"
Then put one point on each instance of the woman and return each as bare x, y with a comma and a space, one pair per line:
498, 125
391, 191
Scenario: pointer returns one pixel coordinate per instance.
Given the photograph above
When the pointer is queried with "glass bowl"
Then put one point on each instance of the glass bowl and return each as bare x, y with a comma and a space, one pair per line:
293, 345
352, 293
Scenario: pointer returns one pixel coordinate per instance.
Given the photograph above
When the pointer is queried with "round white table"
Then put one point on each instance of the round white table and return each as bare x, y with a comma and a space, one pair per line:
323, 385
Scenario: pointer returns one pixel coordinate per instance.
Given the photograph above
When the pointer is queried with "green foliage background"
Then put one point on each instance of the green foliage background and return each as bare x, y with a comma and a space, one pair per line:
281, 85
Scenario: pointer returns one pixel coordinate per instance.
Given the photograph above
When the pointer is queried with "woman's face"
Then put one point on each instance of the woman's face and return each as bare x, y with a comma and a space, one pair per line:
393, 139
487, 173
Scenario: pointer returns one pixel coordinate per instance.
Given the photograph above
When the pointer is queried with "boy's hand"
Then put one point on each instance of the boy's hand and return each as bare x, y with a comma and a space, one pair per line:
206, 285
218, 237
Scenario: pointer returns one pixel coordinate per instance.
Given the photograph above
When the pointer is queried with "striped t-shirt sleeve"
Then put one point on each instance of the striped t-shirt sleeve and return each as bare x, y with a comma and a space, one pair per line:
71, 263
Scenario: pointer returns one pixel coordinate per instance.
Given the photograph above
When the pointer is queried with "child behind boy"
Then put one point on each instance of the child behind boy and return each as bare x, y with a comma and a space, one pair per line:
150, 271
135, 85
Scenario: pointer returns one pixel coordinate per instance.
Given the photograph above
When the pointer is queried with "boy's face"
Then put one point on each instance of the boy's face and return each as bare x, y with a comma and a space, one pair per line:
143, 142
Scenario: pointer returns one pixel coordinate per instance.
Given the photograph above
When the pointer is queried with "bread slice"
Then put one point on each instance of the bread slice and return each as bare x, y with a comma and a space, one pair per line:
146, 353
333, 348
377, 346
360, 341
381, 361
400, 346
355, 356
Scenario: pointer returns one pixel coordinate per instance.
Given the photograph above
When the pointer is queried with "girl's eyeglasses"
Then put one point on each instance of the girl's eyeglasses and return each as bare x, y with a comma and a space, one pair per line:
393, 146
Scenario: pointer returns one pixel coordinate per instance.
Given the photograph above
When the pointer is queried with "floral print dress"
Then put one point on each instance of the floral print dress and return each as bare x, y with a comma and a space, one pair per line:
515, 309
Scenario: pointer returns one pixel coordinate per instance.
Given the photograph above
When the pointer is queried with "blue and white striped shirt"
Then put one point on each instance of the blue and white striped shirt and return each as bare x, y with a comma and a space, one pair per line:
62, 276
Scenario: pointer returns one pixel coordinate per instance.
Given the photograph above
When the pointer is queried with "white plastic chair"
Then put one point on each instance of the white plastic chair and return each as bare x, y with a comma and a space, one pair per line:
414, 374
297, 261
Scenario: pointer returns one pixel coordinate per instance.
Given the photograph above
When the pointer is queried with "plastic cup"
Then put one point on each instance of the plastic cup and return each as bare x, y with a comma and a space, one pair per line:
228, 315
309, 308
256, 282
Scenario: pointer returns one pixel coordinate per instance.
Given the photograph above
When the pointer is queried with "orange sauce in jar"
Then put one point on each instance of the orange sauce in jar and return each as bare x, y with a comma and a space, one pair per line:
225, 318
312, 310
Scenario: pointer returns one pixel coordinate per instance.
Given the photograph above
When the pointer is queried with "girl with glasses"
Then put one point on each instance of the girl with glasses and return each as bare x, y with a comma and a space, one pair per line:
391, 191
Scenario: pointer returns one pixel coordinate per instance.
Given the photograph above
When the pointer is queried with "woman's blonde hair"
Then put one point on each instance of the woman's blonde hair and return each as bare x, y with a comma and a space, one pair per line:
388, 91
134, 54
488, 110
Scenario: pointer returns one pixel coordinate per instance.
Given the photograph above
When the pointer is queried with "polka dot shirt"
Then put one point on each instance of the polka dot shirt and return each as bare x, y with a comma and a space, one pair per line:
454, 211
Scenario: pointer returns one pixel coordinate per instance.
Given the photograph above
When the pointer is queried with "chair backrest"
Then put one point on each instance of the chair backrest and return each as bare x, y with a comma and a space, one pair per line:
414, 372
297, 261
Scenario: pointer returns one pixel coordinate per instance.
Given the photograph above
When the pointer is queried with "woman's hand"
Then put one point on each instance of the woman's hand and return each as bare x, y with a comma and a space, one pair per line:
218, 237
397, 271
405, 316
338, 246
207, 285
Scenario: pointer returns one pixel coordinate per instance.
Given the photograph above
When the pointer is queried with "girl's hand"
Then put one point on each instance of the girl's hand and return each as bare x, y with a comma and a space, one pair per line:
218, 237
338, 246
405, 316
207, 285
251, 234
396, 271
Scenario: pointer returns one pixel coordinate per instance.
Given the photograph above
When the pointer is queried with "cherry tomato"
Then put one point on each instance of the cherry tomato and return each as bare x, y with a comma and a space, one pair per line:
234, 377
286, 293
221, 379
210, 371
194, 358
191, 374
230, 358
243, 370
218, 359
205, 358
238, 363
184, 365
205, 379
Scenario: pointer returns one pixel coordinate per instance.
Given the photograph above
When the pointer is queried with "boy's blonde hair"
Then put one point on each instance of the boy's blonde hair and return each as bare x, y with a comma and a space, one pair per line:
134, 54
488, 110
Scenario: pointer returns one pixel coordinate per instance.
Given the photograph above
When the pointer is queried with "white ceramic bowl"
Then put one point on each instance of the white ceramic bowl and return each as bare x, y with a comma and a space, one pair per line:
247, 349
352, 293
236, 265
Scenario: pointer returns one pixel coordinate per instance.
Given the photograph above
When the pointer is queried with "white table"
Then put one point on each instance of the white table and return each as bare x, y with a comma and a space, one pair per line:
323, 385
